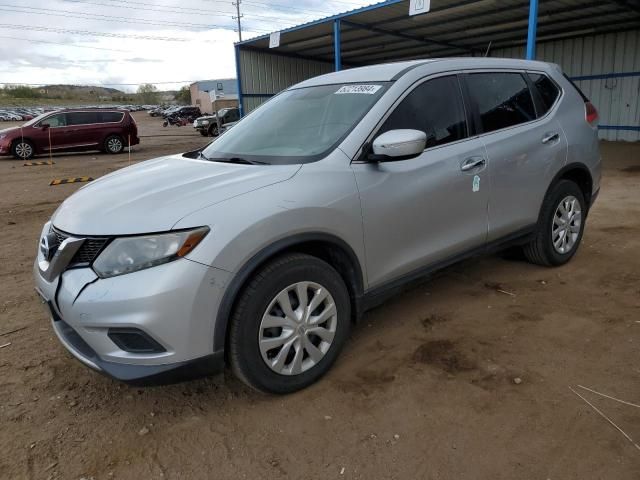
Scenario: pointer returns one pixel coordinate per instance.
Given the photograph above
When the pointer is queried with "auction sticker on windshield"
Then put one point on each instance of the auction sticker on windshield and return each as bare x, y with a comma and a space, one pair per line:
365, 89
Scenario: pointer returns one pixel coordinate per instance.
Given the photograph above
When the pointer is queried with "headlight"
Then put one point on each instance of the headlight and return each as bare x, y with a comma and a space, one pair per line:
130, 254
2, 135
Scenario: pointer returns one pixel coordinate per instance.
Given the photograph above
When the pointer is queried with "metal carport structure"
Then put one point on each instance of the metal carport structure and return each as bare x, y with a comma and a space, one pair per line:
596, 42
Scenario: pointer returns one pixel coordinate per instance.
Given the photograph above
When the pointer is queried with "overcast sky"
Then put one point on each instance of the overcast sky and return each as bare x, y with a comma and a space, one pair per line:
98, 42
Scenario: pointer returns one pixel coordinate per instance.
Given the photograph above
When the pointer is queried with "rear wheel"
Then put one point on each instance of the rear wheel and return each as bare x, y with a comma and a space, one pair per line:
114, 144
289, 325
23, 149
560, 226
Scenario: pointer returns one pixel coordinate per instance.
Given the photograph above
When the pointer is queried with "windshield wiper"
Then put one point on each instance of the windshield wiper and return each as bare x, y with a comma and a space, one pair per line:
239, 160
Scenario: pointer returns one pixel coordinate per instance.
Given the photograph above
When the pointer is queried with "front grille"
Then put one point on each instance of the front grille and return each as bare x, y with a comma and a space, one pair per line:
88, 252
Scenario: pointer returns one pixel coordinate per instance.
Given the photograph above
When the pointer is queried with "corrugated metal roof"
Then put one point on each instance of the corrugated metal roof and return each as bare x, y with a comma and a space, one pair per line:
385, 31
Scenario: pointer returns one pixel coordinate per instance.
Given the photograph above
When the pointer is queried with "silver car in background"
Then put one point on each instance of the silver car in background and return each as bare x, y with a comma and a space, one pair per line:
261, 251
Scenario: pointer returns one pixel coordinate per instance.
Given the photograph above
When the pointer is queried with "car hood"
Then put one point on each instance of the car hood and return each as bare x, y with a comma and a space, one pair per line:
5, 131
153, 196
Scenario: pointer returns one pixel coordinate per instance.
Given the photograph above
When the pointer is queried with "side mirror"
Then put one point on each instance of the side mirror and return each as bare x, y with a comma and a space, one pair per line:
398, 145
45, 126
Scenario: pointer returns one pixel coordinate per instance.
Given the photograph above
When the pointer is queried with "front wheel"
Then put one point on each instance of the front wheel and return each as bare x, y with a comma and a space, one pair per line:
23, 150
213, 131
289, 324
204, 133
560, 226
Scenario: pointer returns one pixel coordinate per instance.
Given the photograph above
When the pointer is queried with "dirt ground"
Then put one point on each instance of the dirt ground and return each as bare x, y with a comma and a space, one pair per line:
426, 388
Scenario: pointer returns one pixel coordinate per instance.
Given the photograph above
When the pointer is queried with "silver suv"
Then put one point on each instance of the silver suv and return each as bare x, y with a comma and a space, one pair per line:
262, 250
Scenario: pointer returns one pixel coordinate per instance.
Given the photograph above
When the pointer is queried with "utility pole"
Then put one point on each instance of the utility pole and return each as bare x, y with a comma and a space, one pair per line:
238, 17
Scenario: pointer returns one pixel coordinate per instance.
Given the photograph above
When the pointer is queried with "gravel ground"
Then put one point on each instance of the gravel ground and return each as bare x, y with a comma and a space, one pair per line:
455, 379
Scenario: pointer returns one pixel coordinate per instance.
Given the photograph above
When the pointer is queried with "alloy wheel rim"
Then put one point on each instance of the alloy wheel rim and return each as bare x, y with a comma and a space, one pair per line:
115, 145
567, 221
24, 150
297, 328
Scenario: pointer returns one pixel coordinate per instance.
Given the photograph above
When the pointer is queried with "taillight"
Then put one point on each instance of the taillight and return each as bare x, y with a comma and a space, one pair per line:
591, 114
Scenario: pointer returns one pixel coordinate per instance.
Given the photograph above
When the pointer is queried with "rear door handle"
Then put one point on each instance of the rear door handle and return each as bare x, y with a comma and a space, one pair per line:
550, 137
472, 163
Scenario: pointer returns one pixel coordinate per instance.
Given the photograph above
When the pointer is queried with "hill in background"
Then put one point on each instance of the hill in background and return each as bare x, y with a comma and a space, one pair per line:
60, 95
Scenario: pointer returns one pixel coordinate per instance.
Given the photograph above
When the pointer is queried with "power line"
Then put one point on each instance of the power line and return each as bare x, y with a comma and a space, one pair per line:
59, 43
286, 7
165, 8
105, 18
90, 33
281, 6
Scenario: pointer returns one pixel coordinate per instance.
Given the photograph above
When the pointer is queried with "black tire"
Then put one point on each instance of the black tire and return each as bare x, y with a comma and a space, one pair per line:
541, 250
23, 149
213, 130
204, 133
113, 144
243, 349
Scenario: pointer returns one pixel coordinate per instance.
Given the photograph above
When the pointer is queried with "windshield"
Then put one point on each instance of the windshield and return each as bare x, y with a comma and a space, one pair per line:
298, 125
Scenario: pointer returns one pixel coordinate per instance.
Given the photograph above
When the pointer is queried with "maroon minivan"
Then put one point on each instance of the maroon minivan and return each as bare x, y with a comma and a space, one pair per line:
71, 130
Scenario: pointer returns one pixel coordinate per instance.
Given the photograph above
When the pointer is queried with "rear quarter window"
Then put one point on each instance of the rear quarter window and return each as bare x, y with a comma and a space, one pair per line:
547, 90
111, 117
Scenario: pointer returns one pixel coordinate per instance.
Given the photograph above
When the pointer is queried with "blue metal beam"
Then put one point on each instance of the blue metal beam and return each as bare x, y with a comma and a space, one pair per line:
337, 53
533, 29
239, 80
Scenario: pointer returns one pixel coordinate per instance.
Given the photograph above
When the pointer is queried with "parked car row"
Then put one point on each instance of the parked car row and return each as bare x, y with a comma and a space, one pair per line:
182, 111
19, 114
130, 108
213, 125
180, 115
110, 130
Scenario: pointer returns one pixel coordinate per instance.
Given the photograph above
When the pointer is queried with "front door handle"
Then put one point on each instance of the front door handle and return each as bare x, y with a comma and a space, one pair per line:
473, 163
550, 137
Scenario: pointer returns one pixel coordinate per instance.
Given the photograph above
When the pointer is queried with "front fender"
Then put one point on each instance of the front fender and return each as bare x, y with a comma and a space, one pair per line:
317, 204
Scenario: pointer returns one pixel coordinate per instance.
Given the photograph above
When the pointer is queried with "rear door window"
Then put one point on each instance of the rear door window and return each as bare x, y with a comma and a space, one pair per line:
434, 107
82, 118
547, 89
503, 99
111, 117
